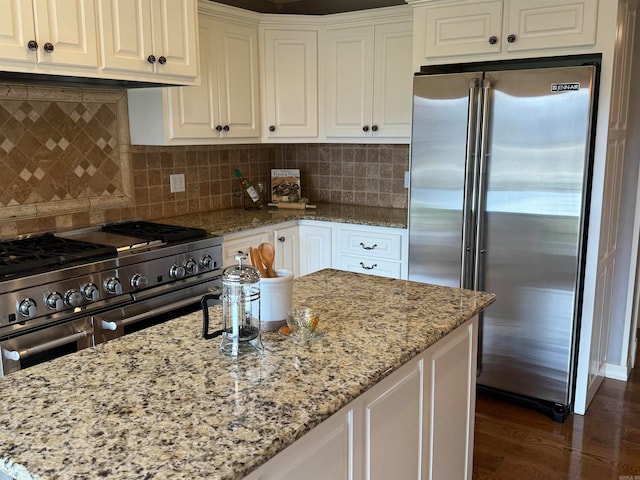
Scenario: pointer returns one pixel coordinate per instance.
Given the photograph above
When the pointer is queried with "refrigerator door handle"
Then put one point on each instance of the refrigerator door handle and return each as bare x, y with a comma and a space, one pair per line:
468, 221
478, 278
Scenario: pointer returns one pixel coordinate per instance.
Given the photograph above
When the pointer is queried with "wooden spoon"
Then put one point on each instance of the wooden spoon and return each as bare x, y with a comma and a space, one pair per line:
256, 261
268, 254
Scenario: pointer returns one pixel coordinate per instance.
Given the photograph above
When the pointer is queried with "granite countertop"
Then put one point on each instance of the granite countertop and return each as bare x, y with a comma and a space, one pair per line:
221, 222
165, 403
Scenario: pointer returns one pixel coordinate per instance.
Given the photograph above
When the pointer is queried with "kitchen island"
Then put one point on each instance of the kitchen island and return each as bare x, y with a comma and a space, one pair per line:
164, 403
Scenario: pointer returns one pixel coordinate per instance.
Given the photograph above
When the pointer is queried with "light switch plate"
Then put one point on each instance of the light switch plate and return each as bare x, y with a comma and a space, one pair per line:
406, 179
176, 183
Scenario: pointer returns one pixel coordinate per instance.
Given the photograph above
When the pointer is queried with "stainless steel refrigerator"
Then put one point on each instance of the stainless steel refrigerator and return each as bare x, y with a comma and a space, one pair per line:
498, 202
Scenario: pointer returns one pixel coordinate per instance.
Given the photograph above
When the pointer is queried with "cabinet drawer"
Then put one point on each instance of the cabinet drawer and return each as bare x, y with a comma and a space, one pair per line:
376, 245
370, 266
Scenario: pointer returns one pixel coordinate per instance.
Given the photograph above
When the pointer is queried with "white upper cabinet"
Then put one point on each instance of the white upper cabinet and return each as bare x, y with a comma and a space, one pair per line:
150, 40
226, 103
40, 36
498, 29
290, 83
224, 108
369, 81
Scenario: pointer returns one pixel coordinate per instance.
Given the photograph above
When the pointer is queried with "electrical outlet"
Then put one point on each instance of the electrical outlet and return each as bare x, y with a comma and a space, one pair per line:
176, 182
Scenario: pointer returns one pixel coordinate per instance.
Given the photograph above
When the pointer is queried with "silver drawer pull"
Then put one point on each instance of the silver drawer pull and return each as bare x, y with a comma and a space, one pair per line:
372, 247
368, 268
22, 354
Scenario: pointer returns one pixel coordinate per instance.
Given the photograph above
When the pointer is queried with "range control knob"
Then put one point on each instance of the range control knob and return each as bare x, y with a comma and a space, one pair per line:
207, 262
73, 297
53, 301
91, 292
177, 271
191, 267
139, 281
27, 307
113, 286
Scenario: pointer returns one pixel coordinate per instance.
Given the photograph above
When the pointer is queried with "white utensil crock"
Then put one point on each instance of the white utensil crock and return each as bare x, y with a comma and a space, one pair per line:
276, 296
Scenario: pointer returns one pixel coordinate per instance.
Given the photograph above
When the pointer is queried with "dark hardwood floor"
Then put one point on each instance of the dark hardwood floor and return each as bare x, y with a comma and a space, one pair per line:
513, 442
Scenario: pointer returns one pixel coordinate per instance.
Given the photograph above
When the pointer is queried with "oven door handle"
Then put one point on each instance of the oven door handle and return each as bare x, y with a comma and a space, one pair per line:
16, 355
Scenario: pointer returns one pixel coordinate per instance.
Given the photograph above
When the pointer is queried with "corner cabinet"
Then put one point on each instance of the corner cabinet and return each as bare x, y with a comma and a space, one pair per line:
369, 81
315, 246
150, 40
416, 423
43, 37
224, 108
290, 83
498, 29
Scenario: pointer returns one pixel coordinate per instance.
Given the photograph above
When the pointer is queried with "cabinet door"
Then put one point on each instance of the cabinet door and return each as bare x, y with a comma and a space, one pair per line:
450, 392
174, 37
16, 30
290, 83
350, 61
285, 241
237, 80
392, 80
239, 244
193, 110
315, 248
70, 27
326, 452
135, 34
125, 35
461, 29
392, 426
545, 24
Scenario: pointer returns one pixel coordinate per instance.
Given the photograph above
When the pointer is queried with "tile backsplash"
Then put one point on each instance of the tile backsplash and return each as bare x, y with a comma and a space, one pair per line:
67, 162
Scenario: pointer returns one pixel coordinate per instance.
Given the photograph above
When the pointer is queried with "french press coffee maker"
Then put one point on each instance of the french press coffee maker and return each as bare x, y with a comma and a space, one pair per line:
240, 310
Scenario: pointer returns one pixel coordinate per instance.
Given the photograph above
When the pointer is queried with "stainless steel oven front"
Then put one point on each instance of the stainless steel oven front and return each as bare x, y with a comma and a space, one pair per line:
154, 307
28, 349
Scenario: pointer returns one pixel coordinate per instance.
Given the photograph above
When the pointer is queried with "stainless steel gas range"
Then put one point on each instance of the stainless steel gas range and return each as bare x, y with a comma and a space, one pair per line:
61, 292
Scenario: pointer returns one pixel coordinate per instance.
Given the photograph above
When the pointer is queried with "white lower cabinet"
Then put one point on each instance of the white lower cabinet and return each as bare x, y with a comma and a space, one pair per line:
238, 243
286, 243
417, 423
306, 246
315, 246
371, 250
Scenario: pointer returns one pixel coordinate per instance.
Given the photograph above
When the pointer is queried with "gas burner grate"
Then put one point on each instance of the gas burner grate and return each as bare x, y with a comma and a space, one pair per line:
47, 252
155, 231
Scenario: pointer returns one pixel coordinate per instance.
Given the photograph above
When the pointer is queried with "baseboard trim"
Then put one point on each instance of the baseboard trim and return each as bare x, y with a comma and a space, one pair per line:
616, 372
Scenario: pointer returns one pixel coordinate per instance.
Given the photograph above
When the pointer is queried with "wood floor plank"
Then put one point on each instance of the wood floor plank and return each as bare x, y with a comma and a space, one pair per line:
515, 442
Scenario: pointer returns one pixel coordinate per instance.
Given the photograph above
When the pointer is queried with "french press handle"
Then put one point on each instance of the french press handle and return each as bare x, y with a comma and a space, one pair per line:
209, 299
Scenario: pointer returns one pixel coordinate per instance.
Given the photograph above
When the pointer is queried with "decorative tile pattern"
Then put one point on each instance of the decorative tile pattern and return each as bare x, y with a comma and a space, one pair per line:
66, 163
62, 150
